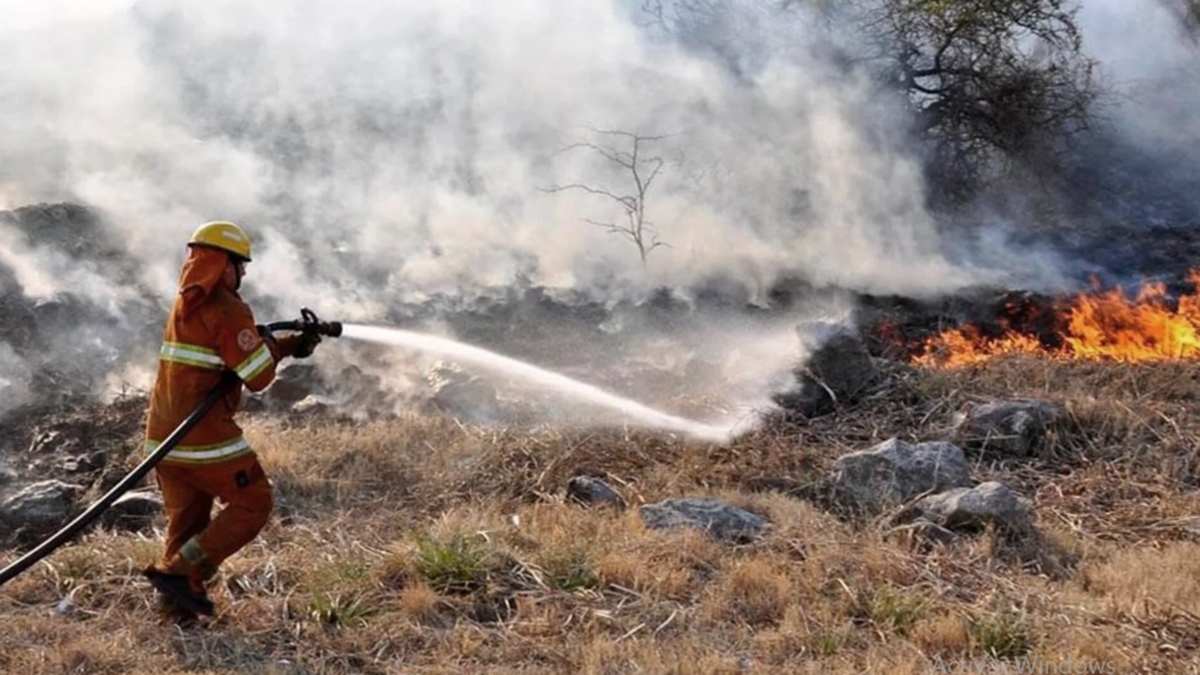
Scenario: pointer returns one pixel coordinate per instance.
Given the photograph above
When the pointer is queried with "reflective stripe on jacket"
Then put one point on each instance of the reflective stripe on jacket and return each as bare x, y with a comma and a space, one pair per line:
212, 335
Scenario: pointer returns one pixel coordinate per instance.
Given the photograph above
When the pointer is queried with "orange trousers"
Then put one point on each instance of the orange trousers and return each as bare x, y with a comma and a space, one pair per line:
196, 543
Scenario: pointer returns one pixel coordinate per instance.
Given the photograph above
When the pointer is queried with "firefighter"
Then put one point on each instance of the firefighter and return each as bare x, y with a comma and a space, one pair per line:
210, 329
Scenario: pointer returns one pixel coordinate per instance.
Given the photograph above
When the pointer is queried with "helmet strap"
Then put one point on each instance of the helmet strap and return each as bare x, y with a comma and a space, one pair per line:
237, 271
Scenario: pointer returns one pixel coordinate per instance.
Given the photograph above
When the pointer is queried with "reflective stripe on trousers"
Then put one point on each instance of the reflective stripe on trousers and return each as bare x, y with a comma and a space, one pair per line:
203, 454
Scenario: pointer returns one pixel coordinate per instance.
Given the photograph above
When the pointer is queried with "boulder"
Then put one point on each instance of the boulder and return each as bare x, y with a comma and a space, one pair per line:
972, 509
293, 383
458, 393
838, 369
589, 490
39, 508
1008, 428
723, 521
893, 472
133, 510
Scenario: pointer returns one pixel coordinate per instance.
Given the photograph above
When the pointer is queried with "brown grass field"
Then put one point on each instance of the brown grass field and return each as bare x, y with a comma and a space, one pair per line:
424, 546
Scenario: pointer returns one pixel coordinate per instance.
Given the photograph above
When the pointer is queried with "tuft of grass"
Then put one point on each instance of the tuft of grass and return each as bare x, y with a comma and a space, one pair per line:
890, 610
76, 565
942, 634
461, 564
1003, 635
825, 643
336, 609
753, 592
570, 570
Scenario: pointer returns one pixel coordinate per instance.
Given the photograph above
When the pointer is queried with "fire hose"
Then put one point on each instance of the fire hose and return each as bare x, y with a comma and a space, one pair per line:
308, 323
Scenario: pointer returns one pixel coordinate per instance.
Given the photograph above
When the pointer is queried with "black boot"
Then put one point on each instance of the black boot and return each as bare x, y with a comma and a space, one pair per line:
179, 590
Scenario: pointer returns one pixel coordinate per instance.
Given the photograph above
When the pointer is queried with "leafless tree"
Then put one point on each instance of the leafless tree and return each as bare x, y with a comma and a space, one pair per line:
992, 85
642, 171
1187, 12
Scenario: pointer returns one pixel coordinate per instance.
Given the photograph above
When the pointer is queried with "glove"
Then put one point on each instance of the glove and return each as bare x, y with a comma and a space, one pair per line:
305, 344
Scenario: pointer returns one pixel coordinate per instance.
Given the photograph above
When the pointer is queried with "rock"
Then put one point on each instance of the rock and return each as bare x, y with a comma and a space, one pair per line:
66, 606
972, 509
53, 442
312, 405
133, 510
921, 530
1011, 428
588, 490
253, 403
461, 394
838, 369
723, 521
293, 383
893, 472
40, 507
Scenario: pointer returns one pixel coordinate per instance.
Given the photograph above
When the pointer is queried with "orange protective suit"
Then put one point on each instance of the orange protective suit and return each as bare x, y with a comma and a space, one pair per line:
210, 329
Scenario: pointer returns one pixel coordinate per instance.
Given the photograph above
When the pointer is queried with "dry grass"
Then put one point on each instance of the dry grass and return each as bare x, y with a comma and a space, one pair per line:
424, 546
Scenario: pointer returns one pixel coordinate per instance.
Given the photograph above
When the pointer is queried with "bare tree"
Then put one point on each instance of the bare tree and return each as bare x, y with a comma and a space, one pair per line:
1187, 13
642, 171
994, 87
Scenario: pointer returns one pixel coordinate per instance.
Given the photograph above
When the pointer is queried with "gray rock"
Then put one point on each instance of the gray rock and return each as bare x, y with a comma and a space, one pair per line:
1010, 428
921, 530
589, 490
54, 442
458, 393
894, 472
40, 507
293, 383
974, 508
723, 521
312, 405
838, 369
133, 510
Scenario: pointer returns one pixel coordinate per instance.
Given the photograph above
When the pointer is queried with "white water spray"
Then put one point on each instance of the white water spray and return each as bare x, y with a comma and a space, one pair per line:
580, 390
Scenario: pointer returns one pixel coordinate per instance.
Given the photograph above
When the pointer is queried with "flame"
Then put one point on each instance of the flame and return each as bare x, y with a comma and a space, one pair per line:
1097, 325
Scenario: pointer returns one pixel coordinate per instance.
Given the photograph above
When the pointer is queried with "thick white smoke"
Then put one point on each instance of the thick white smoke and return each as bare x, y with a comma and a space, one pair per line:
1152, 70
385, 152
413, 139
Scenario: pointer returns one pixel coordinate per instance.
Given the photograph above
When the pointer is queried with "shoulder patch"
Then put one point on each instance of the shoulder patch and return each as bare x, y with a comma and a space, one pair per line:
247, 339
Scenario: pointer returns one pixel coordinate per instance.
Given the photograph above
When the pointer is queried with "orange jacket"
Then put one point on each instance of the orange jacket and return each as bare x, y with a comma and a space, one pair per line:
210, 329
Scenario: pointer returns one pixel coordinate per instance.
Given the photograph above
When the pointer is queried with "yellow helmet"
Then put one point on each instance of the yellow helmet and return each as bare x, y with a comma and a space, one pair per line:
223, 235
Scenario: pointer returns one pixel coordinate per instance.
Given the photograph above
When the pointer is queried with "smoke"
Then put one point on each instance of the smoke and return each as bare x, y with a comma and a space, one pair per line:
1151, 65
405, 147
385, 155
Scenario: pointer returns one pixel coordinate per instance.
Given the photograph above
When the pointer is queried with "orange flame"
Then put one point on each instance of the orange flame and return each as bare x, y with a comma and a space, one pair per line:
1097, 326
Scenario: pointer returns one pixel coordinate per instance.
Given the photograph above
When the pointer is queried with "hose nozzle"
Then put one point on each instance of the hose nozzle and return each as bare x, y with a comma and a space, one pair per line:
309, 323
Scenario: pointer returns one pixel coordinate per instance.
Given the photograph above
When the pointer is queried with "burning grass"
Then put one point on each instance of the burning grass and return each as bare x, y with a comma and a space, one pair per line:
1100, 325
424, 546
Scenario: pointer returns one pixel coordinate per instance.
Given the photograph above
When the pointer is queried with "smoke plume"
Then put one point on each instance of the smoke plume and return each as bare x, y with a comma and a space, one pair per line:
387, 155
